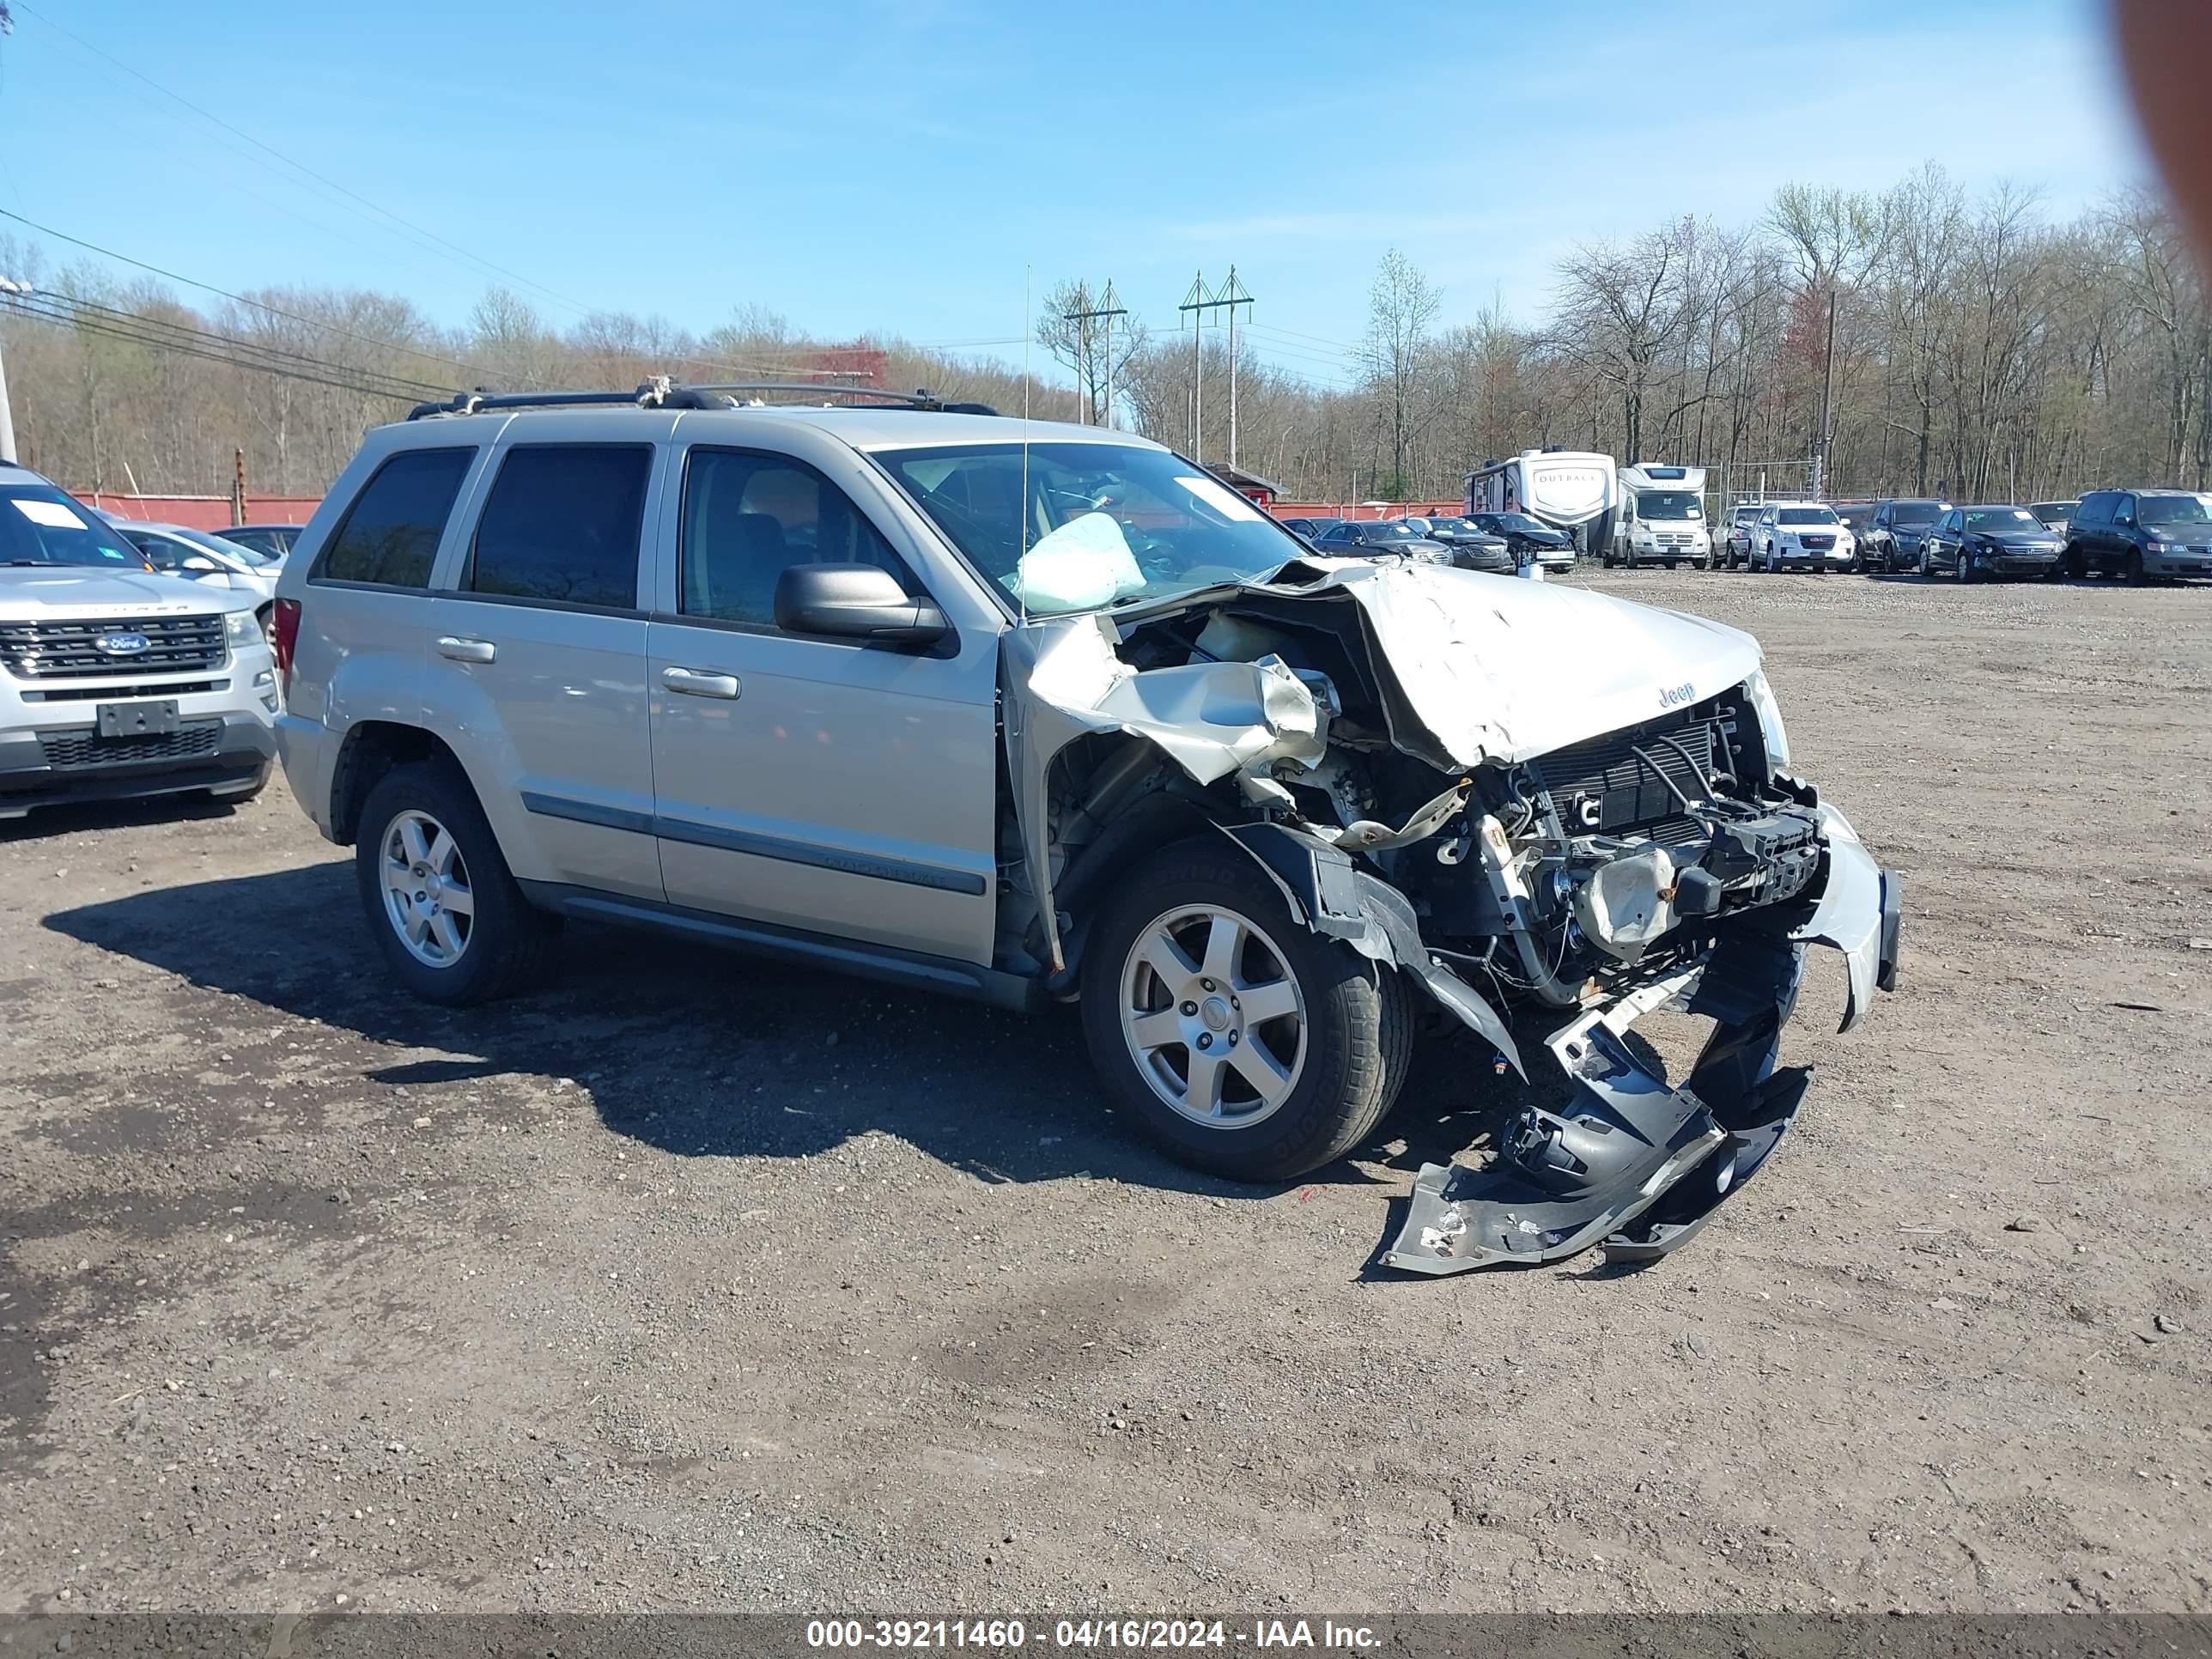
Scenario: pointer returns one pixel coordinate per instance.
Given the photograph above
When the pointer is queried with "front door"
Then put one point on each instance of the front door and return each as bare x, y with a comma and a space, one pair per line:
825, 784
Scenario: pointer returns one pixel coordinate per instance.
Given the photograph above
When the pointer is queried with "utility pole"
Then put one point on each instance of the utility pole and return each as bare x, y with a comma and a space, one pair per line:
1195, 302
9, 289
1198, 302
1107, 310
1827, 404
1232, 295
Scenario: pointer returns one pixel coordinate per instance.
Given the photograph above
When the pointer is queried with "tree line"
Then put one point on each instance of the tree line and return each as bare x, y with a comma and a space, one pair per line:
1920, 340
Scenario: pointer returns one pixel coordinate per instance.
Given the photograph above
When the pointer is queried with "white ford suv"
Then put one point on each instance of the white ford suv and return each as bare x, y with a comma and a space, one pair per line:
115, 682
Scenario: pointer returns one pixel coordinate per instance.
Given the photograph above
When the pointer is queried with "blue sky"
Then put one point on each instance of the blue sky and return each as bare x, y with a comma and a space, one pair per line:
895, 166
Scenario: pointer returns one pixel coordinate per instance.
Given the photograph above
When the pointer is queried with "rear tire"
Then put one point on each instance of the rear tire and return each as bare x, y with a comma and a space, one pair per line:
498, 945
1344, 1058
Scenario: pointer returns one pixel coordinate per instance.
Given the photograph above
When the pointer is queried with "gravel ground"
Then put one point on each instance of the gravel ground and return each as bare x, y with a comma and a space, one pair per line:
698, 1283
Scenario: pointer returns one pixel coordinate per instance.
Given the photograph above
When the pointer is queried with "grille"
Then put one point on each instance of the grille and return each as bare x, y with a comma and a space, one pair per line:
64, 650
81, 746
1629, 798
109, 693
1817, 544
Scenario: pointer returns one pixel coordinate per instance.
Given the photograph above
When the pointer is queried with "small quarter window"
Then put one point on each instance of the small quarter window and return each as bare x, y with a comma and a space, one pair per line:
561, 526
390, 534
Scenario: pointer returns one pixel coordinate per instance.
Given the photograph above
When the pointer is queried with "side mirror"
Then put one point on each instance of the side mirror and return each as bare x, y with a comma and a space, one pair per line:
855, 602
199, 564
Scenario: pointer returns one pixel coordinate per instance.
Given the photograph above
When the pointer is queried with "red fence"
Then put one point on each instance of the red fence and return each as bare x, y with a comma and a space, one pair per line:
201, 511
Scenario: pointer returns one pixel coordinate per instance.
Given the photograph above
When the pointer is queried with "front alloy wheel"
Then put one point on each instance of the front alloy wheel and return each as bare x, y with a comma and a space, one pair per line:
1212, 1018
427, 895
1925, 569
1244, 1042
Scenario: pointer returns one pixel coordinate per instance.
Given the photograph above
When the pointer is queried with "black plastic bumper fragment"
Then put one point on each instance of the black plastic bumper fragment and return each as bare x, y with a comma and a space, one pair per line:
1628, 1162
1683, 1209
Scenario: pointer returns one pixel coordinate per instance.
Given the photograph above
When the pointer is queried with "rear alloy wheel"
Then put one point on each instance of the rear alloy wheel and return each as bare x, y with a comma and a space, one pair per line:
1244, 1043
452, 925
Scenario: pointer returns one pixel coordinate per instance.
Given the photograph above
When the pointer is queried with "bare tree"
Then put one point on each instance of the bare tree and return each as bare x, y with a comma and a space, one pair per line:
1401, 308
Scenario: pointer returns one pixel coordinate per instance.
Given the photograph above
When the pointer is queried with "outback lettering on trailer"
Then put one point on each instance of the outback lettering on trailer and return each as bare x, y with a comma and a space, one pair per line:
1675, 697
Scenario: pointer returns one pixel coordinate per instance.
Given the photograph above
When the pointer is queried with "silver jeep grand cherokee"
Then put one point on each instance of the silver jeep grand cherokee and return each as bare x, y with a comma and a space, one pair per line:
1028, 712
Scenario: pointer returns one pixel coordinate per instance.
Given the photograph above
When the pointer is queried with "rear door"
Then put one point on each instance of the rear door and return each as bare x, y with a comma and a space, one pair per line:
536, 664
825, 784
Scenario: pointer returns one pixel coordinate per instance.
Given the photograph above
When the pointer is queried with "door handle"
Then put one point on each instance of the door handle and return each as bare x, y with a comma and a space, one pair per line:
462, 650
697, 682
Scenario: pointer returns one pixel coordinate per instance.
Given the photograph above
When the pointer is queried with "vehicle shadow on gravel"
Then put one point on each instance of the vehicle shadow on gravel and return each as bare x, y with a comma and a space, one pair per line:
47, 822
696, 1051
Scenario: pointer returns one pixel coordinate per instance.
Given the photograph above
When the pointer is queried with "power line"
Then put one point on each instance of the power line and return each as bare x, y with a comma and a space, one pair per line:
301, 167
106, 322
239, 298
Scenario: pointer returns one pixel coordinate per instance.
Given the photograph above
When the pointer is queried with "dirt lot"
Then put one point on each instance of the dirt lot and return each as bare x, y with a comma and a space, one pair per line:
699, 1283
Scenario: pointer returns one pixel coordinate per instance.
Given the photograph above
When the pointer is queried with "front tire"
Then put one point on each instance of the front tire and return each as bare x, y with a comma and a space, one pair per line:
2131, 568
1243, 1044
454, 927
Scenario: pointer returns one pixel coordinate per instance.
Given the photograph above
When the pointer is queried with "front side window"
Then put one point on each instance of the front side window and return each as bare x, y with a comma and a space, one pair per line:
391, 533
561, 526
748, 517
1059, 527
40, 525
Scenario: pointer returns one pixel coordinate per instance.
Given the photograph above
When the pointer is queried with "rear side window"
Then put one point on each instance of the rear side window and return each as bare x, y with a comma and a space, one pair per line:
561, 526
749, 517
390, 534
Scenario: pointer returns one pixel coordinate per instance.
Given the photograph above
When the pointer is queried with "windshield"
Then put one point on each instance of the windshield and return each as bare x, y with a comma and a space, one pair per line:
1855, 516
1914, 513
251, 558
2169, 509
1390, 530
1804, 515
1519, 523
1667, 504
40, 525
2002, 518
1075, 527
2053, 511
1453, 527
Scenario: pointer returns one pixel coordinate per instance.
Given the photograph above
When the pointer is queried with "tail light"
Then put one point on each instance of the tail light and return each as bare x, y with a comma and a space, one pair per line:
284, 636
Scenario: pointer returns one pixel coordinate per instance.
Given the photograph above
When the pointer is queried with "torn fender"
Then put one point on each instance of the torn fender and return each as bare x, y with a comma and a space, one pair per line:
1330, 894
1859, 912
1060, 679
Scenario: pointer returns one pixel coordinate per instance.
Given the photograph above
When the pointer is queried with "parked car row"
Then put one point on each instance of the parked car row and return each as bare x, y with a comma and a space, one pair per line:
1496, 542
2134, 535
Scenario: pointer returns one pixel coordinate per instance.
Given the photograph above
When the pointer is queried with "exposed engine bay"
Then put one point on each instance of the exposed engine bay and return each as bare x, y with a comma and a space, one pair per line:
1402, 752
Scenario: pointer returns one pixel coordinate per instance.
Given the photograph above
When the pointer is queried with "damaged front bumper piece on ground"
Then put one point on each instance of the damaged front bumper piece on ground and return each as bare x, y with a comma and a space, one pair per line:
1629, 1162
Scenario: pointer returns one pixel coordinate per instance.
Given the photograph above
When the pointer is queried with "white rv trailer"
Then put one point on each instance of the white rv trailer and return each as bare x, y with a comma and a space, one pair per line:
1662, 518
1572, 490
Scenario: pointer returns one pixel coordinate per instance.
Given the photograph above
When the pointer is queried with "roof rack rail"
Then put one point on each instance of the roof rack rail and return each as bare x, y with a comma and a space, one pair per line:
662, 392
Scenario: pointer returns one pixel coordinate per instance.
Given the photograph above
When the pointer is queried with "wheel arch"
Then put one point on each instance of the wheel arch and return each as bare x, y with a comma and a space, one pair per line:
371, 748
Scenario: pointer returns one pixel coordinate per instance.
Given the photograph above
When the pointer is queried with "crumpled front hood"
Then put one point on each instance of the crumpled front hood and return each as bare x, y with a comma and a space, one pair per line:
49, 592
1497, 668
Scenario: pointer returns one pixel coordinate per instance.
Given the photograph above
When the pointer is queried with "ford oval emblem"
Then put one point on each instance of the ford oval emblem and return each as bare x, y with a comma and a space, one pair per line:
122, 645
